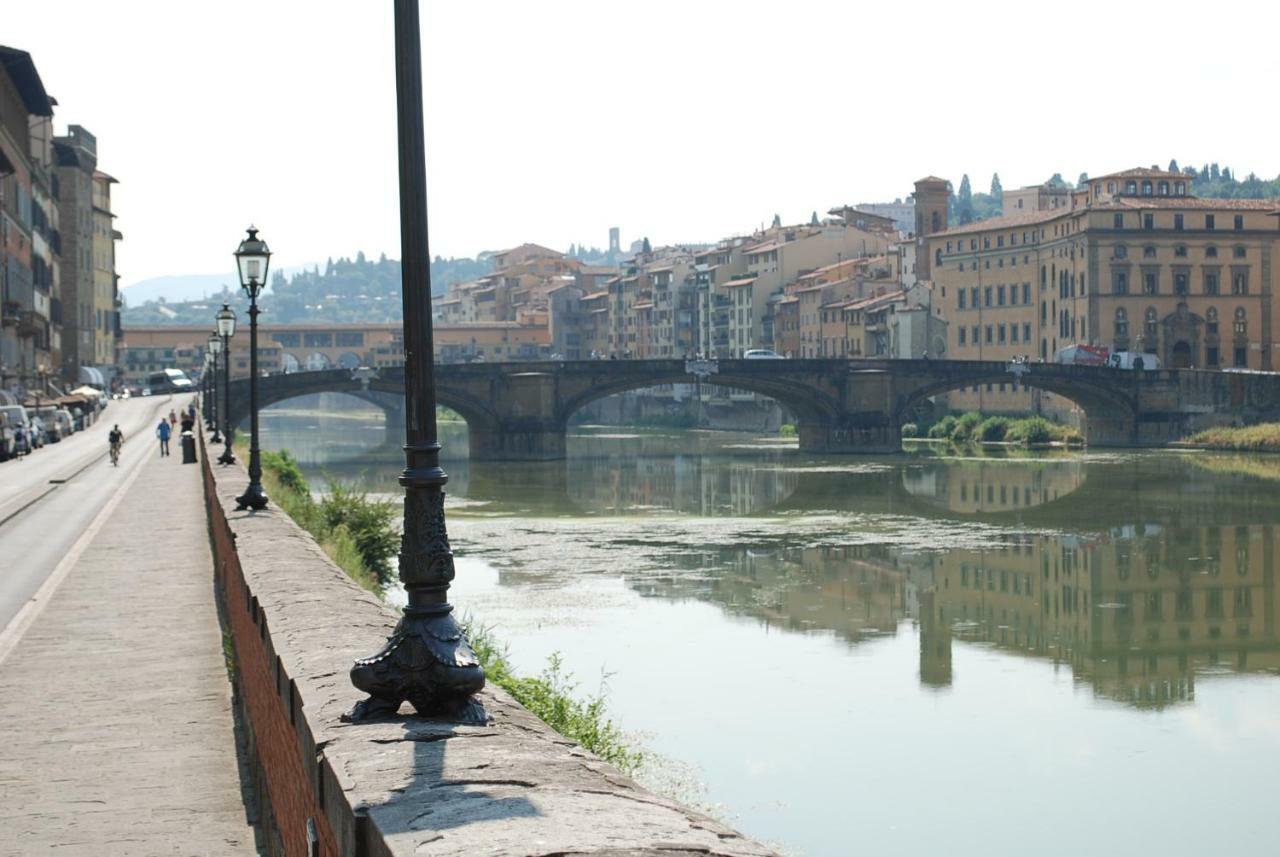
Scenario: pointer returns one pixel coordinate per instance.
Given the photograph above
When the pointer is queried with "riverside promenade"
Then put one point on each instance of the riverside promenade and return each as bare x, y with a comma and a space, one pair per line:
116, 728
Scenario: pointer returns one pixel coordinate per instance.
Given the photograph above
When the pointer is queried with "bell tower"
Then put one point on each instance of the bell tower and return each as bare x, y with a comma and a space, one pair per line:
933, 196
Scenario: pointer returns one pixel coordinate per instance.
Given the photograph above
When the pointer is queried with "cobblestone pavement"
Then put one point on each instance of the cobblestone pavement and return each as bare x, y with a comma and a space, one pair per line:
116, 733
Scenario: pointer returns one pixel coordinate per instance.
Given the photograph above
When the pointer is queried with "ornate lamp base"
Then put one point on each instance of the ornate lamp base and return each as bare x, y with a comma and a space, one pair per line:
428, 662
252, 498
216, 437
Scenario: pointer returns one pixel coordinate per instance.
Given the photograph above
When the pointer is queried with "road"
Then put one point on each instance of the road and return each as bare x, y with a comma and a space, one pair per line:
49, 498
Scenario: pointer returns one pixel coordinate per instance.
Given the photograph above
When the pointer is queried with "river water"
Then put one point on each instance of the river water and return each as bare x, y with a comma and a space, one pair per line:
925, 654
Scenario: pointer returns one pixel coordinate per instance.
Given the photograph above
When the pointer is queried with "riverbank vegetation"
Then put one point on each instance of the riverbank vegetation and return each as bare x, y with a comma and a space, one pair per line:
1264, 437
360, 535
973, 427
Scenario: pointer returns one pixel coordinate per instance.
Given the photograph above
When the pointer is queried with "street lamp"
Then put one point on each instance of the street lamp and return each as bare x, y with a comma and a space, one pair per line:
215, 348
427, 660
226, 321
252, 258
204, 387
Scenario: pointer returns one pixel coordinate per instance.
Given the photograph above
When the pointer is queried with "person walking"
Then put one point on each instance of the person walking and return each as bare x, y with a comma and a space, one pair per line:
163, 431
173, 420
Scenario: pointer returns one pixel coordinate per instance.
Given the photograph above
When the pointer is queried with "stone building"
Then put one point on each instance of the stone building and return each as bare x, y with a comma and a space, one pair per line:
1132, 262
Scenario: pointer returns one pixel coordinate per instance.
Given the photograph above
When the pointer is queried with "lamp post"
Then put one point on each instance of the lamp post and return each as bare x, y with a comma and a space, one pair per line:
215, 348
427, 660
226, 321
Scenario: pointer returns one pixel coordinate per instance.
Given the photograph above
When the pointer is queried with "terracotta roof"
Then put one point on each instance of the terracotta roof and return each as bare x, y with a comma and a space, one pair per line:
744, 281
594, 295
1193, 202
662, 269
1007, 222
763, 248
643, 305
930, 179
790, 300
1142, 173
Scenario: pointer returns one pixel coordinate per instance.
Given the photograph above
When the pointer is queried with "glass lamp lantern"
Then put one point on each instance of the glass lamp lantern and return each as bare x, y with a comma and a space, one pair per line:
252, 258
226, 321
215, 346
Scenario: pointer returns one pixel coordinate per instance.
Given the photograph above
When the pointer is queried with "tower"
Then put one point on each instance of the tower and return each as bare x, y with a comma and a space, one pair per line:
615, 243
932, 199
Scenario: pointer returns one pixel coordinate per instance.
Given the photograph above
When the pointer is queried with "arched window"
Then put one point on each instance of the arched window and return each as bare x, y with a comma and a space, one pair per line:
935, 223
1211, 321
1146, 188
937, 257
1240, 327
1180, 251
1131, 187
1121, 251
1238, 251
1180, 188
1151, 323
1122, 323
1211, 252
1111, 187
1164, 188
1149, 252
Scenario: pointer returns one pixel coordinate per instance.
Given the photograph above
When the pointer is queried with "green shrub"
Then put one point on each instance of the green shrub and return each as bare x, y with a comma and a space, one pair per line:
285, 468
966, 426
369, 523
992, 429
910, 430
943, 428
787, 430
1031, 430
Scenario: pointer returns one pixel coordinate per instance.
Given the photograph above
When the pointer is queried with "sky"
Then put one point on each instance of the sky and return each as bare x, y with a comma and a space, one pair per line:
679, 121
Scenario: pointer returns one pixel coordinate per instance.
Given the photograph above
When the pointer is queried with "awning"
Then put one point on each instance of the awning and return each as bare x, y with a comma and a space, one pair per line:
91, 376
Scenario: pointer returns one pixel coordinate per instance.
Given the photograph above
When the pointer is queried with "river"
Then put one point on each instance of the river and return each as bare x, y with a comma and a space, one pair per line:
924, 654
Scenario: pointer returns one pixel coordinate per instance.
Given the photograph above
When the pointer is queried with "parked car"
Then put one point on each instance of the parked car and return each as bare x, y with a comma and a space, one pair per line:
8, 442
53, 431
66, 424
761, 354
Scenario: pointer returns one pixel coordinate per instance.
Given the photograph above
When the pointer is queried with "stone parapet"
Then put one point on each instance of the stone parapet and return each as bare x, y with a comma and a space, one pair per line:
406, 785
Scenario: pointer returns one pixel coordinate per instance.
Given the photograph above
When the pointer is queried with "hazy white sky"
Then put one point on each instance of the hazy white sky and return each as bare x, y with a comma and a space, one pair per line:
683, 121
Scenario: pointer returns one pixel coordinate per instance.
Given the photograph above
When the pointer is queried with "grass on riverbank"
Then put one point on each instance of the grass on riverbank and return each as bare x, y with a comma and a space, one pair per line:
973, 427
550, 697
1264, 437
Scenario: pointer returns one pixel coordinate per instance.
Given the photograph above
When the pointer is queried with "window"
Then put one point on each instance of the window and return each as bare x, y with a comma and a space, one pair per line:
1148, 221
1131, 186
962, 333
1211, 321
1001, 332
960, 295
1180, 283
1211, 282
973, 334
988, 334
1151, 323
1238, 223
1211, 252
1241, 357
1026, 331
1238, 251
1177, 222
986, 296
1240, 327
1164, 188
1013, 333
973, 299
1180, 251
1150, 283
1117, 221
1148, 252
1211, 356
937, 258
948, 246
1000, 295
1239, 283
1026, 293
1121, 251
1111, 187
1146, 187
1120, 283
1122, 323
1208, 221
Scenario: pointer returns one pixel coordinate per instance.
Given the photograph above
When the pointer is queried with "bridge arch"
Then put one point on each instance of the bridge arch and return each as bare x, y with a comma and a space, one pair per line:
1109, 403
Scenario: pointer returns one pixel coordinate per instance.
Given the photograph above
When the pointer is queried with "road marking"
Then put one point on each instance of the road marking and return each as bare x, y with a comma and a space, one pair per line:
22, 620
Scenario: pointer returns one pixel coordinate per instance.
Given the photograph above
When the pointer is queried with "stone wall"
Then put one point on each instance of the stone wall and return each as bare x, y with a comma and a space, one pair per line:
405, 785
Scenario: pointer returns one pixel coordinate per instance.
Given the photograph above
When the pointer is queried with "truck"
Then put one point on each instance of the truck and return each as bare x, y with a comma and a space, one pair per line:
1136, 360
1082, 355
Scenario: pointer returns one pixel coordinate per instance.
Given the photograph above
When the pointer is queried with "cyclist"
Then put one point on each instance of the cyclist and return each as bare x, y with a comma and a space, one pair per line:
116, 437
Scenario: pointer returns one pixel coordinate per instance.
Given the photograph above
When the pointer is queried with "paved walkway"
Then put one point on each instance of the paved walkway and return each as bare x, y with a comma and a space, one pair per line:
116, 730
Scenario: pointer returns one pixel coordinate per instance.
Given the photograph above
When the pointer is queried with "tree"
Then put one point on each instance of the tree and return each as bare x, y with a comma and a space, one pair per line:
359, 257
1056, 180
813, 221
1083, 180
1214, 174
777, 220
1226, 174
997, 190
645, 247
964, 201
1173, 166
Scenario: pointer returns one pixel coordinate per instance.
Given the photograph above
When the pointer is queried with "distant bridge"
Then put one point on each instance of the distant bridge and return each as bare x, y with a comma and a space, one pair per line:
520, 411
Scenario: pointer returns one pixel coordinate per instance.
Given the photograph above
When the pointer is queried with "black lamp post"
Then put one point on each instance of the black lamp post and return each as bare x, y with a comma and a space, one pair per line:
215, 348
204, 389
252, 258
427, 660
226, 321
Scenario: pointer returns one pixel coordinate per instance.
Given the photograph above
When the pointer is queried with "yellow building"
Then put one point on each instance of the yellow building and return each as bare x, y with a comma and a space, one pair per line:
105, 280
1132, 262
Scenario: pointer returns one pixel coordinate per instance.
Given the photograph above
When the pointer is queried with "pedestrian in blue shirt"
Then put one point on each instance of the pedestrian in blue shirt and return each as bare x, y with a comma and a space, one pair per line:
163, 431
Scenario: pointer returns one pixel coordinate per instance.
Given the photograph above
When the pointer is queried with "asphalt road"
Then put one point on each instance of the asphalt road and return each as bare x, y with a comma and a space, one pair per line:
49, 498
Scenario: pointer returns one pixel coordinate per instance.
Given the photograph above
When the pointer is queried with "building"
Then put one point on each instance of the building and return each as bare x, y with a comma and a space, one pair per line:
903, 214
1132, 262
27, 234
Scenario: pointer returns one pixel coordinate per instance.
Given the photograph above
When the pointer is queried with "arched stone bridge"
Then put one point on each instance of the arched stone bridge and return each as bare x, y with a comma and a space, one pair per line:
521, 410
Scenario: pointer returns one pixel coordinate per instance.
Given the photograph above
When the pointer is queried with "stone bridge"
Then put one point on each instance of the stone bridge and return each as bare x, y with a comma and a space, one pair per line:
520, 411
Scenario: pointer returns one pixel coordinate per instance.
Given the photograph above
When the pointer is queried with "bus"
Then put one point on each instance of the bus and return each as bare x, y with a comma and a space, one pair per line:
169, 381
